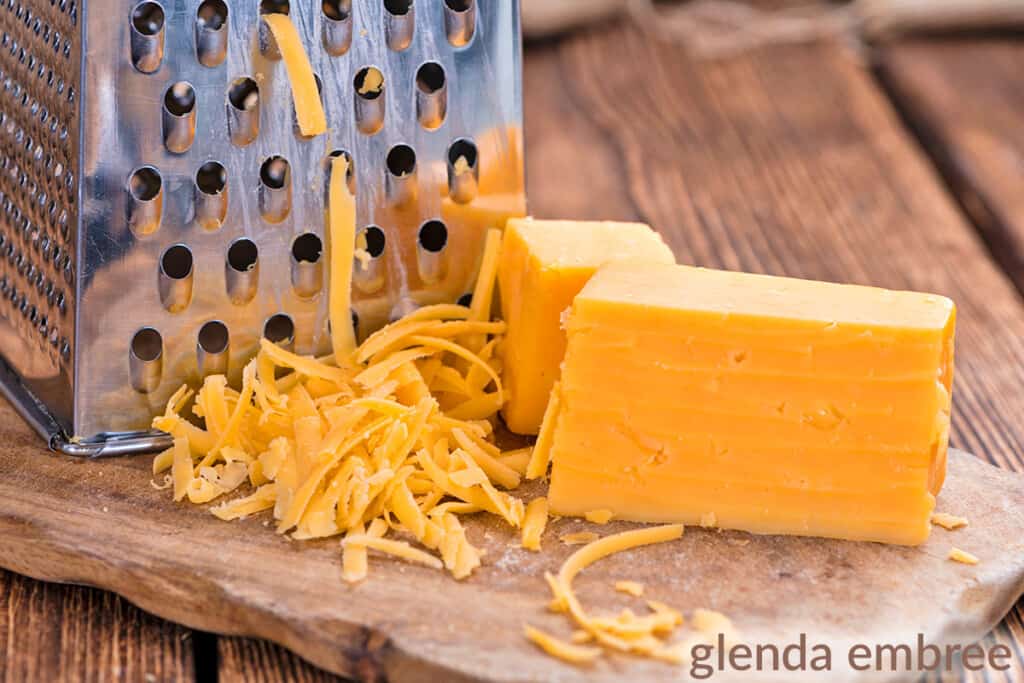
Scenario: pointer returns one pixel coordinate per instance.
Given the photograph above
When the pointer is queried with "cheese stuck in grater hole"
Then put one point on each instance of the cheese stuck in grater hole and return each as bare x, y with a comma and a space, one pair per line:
383, 445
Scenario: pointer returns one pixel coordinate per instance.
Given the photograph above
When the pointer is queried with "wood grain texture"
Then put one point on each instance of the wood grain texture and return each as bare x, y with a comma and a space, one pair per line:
244, 660
50, 632
963, 97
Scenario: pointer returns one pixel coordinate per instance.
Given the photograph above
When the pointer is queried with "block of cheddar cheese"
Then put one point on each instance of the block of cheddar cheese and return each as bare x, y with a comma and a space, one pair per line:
767, 404
544, 264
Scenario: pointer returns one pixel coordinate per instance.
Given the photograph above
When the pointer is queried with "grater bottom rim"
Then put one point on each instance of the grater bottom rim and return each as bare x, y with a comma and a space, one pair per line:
106, 444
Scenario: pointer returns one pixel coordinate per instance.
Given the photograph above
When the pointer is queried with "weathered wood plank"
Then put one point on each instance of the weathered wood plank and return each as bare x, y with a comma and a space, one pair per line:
51, 632
244, 660
963, 97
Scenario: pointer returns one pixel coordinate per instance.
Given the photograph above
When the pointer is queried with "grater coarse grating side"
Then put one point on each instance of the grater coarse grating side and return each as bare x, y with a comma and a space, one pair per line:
160, 210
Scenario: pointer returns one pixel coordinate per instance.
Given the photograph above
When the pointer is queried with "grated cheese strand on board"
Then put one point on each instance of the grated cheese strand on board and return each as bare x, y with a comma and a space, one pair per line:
647, 634
569, 652
309, 108
534, 522
541, 457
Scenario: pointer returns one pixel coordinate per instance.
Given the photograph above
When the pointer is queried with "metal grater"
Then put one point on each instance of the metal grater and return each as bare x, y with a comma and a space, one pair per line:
160, 211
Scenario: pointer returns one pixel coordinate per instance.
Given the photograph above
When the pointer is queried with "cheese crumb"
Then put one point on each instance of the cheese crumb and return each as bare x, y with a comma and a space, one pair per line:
962, 556
708, 520
461, 165
948, 521
599, 516
630, 587
578, 538
373, 81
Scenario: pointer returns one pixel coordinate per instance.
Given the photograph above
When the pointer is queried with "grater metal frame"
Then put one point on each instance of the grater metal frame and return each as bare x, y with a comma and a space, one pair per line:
68, 199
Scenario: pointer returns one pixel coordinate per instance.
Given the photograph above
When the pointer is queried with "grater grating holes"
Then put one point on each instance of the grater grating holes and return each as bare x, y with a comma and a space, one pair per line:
307, 268
146, 36
213, 348
275, 7
36, 101
211, 32
241, 271
280, 329
243, 111
337, 26
463, 170
145, 195
211, 195
178, 117
369, 86
175, 278
431, 95
275, 191
145, 359
460, 21
399, 23
400, 185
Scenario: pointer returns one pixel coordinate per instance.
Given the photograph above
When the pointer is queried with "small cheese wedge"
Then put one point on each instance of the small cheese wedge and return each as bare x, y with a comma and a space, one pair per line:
768, 404
544, 265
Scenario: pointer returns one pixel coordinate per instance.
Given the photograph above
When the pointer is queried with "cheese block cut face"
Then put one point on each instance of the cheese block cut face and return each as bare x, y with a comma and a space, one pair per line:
767, 404
544, 264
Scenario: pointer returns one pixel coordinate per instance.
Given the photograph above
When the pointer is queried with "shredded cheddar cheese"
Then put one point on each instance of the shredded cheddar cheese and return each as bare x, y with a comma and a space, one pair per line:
535, 520
569, 652
541, 457
309, 109
393, 438
646, 634
948, 521
341, 211
962, 556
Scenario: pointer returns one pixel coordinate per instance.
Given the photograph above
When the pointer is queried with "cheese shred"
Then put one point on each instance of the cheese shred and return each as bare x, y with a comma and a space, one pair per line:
309, 108
569, 652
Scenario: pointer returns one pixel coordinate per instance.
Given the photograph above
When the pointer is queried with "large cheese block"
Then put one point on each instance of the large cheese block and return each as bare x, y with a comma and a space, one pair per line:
752, 402
544, 264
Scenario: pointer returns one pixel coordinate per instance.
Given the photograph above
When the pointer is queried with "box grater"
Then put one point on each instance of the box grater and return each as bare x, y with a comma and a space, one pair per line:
160, 210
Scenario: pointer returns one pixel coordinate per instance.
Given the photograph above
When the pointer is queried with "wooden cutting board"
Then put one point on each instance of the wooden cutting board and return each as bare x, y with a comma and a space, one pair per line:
101, 523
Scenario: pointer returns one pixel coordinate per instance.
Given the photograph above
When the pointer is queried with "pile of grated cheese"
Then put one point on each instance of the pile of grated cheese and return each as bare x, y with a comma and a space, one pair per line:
397, 437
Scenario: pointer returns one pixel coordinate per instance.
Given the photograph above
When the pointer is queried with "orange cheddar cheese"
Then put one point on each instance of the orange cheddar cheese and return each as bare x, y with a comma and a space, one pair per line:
544, 264
768, 404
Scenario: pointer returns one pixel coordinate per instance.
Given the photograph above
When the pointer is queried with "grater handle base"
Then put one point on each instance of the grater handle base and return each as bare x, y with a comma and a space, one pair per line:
34, 411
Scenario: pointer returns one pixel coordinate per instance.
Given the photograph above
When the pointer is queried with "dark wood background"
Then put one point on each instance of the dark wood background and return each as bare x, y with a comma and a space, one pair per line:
908, 173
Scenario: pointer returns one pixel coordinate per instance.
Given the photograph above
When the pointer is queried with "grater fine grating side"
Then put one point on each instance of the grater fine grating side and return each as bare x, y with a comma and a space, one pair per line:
160, 210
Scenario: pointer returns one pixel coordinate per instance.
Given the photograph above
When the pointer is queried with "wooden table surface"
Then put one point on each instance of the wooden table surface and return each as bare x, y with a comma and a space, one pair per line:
788, 160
